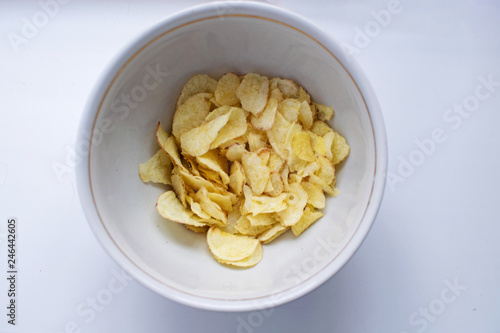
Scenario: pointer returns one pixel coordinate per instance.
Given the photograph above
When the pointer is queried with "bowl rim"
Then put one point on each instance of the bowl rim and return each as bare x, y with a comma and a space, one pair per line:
176, 21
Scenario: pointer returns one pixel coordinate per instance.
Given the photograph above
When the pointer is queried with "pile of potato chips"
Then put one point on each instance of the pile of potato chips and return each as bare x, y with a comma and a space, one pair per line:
248, 158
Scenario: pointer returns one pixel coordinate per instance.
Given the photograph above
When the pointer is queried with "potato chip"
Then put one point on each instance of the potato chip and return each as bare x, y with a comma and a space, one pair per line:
179, 186
196, 208
213, 161
273, 233
275, 185
157, 169
340, 149
289, 108
251, 261
197, 141
315, 196
264, 219
275, 162
197, 182
276, 94
265, 120
328, 139
229, 247
278, 135
223, 201
304, 97
172, 209
305, 115
318, 144
288, 88
255, 204
256, 172
235, 152
199, 83
296, 200
244, 227
216, 113
210, 207
323, 112
253, 93
308, 218
199, 230
301, 147
326, 170
191, 114
235, 127
237, 178
256, 141
225, 92
320, 127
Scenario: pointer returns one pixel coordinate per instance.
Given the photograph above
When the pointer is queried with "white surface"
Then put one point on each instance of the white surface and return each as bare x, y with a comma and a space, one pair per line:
436, 228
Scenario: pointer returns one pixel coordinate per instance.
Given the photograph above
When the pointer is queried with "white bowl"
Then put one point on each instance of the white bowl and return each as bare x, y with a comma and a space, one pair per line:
141, 87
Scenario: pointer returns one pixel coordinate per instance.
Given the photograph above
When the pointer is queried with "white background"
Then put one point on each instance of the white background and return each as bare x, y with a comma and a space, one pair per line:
437, 226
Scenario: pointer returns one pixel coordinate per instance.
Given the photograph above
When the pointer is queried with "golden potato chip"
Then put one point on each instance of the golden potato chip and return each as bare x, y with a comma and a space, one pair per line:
210, 207
199, 230
288, 88
276, 94
191, 114
235, 152
256, 141
264, 153
340, 149
190, 163
253, 93
213, 161
196, 208
261, 220
223, 201
216, 113
308, 218
237, 178
326, 170
199, 83
275, 185
315, 196
271, 234
256, 204
232, 218
323, 112
198, 140
256, 172
266, 118
244, 227
251, 261
278, 135
305, 115
301, 146
289, 108
324, 186
225, 92
235, 127
157, 169
179, 186
328, 139
296, 200
172, 209
320, 128
197, 182
229, 247
275, 162
304, 96
309, 169
318, 144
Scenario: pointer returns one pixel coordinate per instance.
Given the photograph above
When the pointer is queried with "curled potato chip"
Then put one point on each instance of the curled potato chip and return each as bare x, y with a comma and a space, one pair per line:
296, 200
318, 144
235, 127
229, 247
215, 162
306, 115
251, 261
199, 230
172, 209
157, 169
235, 152
264, 219
265, 120
197, 182
320, 128
288, 88
244, 227
256, 172
237, 178
179, 186
210, 207
340, 149
272, 233
308, 218
191, 114
289, 108
256, 204
199, 83
323, 112
326, 170
278, 135
198, 140
225, 92
315, 196
253, 93
301, 146
275, 185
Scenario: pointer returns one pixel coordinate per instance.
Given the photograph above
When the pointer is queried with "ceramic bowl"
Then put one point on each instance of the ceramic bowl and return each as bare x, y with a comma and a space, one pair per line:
140, 88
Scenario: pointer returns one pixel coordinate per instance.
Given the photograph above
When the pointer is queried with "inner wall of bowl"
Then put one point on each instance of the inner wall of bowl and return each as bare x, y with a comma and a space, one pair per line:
145, 92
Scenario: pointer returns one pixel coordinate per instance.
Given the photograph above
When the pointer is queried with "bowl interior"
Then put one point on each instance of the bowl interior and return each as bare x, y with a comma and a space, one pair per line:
145, 90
